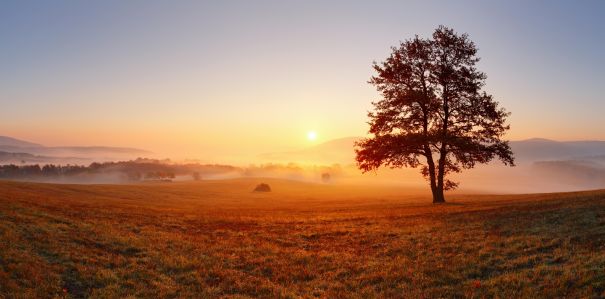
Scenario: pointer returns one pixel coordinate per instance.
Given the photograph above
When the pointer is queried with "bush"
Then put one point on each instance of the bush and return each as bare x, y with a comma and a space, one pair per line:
262, 188
325, 177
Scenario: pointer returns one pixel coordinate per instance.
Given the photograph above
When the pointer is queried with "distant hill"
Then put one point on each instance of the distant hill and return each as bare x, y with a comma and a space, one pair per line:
25, 158
87, 150
537, 149
334, 151
15, 149
73, 150
6, 156
13, 142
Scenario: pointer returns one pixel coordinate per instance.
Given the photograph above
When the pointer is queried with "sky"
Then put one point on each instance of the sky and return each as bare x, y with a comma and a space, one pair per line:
224, 79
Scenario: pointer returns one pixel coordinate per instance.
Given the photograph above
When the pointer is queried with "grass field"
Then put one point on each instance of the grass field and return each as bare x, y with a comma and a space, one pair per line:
213, 239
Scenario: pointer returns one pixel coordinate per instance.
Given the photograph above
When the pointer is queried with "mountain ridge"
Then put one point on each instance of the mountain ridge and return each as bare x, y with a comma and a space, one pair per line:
11, 144
14, 150
10, 141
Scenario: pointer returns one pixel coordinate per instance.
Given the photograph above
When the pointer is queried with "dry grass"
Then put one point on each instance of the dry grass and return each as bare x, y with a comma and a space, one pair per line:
219, 239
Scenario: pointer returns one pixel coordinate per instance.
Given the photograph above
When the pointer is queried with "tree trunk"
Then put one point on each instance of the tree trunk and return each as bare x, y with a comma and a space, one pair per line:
438, 196
436, 179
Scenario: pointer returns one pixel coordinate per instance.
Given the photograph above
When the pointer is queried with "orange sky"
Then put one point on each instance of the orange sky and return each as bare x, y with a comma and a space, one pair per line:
216, 82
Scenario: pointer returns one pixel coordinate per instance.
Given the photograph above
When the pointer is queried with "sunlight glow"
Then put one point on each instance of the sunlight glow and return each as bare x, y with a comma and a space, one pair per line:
311, 135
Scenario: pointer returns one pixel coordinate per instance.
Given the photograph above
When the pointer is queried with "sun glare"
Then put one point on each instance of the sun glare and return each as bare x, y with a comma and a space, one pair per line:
311, 135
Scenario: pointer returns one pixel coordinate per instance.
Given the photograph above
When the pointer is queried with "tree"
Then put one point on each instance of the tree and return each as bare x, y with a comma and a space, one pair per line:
433, 113
325, 177
196, 176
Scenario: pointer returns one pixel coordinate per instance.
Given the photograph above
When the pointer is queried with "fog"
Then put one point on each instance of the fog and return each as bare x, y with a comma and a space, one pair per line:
542, 166
526, 177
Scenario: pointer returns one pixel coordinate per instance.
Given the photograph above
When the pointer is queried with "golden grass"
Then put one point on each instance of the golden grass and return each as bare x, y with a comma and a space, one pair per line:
218, 239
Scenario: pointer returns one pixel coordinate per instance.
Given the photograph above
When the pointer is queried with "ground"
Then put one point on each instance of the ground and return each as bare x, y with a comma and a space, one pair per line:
213, 239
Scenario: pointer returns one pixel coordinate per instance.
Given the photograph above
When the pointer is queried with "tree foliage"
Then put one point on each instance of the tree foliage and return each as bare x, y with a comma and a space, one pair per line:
433, 113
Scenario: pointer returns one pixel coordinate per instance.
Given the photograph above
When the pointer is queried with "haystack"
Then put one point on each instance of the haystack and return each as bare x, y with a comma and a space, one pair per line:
262, 188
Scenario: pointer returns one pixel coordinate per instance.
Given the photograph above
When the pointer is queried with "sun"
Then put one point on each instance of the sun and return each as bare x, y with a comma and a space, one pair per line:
311, 135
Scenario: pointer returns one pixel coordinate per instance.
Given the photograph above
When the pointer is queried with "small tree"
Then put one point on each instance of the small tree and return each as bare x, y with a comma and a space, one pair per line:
134, 176
196, 176
433, 114
325, 177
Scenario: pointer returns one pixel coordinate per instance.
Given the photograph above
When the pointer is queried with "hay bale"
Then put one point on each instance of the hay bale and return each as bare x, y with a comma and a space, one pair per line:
262, 188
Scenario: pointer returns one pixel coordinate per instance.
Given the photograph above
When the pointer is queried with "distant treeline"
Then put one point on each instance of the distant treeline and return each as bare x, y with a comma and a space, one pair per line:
136, 170
152, 169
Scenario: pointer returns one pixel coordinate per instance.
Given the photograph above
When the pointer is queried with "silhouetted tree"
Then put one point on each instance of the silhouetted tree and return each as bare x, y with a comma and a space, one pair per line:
133, 176
50, 170
131, 170
325, 177
196, 176
153, 175
433, 113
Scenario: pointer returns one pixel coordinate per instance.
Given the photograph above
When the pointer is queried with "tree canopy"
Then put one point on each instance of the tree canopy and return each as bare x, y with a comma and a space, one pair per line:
433, 113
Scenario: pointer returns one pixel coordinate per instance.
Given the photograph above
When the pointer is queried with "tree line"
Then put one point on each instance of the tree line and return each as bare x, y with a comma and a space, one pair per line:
136, 170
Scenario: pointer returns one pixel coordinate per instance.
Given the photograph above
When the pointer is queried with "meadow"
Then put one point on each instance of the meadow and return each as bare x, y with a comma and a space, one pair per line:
217, 239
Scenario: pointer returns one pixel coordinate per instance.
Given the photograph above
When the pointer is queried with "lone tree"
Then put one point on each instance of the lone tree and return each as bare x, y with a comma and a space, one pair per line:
433, 113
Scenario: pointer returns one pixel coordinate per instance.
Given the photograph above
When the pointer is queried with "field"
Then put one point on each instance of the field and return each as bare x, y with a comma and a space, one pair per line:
213, 239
